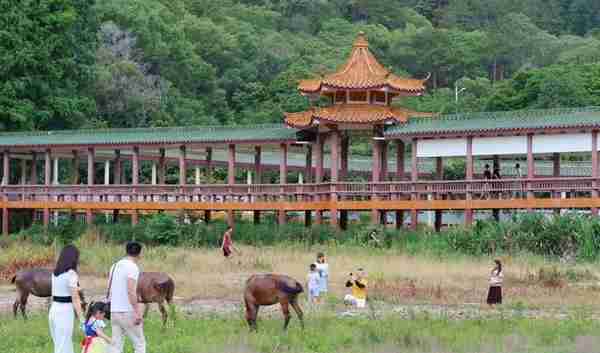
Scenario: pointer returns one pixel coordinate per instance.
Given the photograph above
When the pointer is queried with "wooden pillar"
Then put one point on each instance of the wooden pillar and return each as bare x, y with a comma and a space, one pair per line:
90, 166
75, 167
439, 171
530, 166
117, 170
376, 173
89, 216
283, 171
34, 177
5, 222
209, 168
107, 172
135, 166
55, 171
318, 150
154, 176
257, 165
335, 163
182, 166
469, 177
399, 177
6, 168
308, 173
197, 176
231, 179
384, 161
162, 166
595, 169
257, 178
414, 176
47, 180
23, 171
345, 142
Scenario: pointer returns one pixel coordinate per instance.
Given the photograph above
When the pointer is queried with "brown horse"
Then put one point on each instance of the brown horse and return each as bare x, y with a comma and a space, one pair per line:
270, 289
156, 287
38, 282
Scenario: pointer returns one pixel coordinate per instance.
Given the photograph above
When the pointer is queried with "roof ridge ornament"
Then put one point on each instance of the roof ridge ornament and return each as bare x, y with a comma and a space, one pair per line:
361, 40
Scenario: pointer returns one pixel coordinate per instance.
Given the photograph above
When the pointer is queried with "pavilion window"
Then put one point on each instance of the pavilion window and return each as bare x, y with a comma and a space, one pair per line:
358, 97
340, 97
377, 97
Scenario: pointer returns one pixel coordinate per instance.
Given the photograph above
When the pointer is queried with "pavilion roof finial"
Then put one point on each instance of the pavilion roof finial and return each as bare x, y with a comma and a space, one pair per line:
361, 40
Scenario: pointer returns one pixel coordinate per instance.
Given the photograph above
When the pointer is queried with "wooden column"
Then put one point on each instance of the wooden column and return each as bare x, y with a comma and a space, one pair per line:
283, 171
118, 169
469, 177
414, 177
55, 172
530, 166
595, 169
345, 142
308, 179
47, 181
6, 168
376, 173
162, 166
182, 166
318, 150
384, 161
154, 176
335, 163
75, 167
439, 171
209, 178
399, 177
231, 179
23, 171
89, 216
107, 172
34, 177
197, 175
135, 166
5, 222
257, 178
556, 174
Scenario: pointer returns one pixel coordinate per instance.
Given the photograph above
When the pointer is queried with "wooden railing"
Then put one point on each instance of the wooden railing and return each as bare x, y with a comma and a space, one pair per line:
506, 188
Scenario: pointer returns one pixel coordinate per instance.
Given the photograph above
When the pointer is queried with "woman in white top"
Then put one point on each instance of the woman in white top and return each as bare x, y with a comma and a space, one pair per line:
323, 270
65, 300
496, 278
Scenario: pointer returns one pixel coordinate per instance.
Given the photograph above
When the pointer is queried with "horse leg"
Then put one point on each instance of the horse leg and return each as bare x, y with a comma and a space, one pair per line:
299, 312
16, 305
23, 305
286, 314
163, 312
251, 314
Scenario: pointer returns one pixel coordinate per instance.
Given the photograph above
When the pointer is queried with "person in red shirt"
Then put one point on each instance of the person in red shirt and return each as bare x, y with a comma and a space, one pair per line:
227, 244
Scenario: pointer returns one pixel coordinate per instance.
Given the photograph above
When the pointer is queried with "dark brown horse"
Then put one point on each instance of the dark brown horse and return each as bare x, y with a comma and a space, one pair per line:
38, 282
270, 289
156, 287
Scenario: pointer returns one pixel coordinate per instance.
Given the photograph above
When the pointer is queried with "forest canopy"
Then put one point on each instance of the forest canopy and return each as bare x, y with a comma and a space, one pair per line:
127, 63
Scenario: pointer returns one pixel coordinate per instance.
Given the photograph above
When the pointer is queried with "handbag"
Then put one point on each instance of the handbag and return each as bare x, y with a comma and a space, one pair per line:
106, 301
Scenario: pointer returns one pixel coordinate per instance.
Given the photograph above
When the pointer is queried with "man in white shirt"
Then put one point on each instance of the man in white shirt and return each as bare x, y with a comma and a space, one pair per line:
126, 314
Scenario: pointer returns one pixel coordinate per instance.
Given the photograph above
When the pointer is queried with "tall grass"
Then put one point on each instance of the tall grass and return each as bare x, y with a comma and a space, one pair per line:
568, 237
330, 334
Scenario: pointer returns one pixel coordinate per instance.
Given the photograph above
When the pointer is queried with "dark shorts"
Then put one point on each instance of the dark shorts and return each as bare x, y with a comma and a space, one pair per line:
226, 252
494, 295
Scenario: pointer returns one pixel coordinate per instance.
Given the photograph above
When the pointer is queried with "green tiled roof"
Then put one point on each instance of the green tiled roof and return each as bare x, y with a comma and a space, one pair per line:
210, 134
499, 121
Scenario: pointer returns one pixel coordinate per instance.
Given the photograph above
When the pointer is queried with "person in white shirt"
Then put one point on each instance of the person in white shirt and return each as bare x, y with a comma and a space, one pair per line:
65, 300
496, 279
126, 313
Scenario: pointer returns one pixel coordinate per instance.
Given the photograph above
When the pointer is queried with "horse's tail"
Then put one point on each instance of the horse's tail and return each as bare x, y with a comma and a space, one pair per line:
291, 290
168, 288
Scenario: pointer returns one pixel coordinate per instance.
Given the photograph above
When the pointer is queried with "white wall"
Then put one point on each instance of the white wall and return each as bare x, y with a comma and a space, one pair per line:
442, 148
562, 143
485, 146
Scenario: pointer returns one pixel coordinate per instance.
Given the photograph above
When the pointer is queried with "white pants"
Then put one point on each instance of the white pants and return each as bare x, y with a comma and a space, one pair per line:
61, 318
359, 303
123, 323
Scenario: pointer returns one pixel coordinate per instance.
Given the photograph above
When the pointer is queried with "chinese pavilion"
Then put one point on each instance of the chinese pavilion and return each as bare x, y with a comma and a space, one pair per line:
123, 172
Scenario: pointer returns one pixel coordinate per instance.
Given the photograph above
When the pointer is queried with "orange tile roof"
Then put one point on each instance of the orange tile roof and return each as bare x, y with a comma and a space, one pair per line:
363, 71
351, 114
